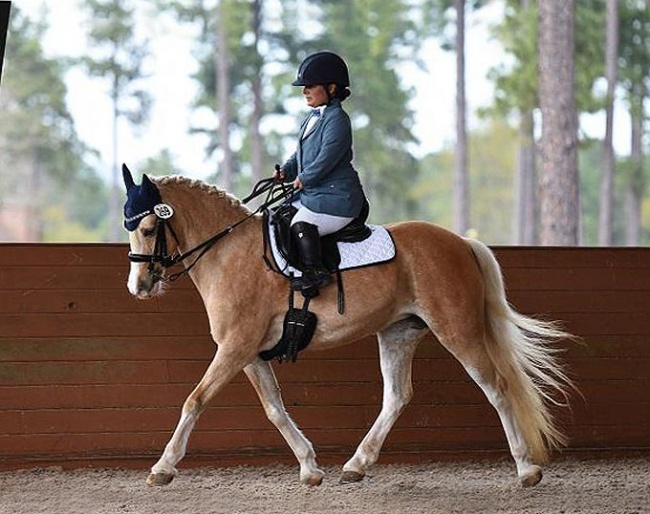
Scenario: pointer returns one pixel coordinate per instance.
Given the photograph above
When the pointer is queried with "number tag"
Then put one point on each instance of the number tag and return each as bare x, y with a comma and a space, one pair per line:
163, 211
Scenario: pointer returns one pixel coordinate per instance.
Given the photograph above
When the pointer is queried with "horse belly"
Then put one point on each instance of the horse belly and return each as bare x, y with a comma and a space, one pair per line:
374, 299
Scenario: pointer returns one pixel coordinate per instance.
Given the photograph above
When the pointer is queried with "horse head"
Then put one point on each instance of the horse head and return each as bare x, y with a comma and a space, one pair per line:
144, 219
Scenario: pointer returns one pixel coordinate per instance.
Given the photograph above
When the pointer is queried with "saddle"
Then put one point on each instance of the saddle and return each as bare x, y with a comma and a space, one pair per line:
353, 232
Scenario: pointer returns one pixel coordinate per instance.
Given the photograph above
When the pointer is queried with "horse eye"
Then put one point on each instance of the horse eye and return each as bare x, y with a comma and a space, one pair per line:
148, 232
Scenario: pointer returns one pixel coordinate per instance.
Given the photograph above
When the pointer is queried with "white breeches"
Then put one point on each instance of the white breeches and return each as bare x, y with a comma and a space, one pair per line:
326, 223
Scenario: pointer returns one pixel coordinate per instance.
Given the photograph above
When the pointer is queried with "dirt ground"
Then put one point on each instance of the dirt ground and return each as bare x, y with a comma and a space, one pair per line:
570, 485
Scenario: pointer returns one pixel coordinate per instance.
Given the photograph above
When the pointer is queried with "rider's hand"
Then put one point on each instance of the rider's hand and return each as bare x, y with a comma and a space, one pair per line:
279, 174
297, 185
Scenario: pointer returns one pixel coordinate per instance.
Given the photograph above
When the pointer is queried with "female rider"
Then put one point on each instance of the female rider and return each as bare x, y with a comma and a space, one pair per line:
329, 190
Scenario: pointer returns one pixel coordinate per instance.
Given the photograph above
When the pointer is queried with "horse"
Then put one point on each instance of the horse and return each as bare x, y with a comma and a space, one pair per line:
438, 283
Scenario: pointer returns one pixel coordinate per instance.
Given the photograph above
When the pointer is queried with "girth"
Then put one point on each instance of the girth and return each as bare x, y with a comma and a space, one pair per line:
297, 330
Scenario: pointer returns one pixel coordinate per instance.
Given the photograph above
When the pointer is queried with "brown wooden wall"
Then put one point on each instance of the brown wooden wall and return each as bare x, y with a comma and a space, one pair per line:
90, 375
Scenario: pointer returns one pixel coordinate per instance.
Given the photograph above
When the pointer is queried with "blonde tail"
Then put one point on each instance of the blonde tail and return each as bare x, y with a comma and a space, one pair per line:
529, 371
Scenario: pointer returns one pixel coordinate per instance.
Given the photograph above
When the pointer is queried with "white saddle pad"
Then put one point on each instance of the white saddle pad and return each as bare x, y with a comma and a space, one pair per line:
377, 248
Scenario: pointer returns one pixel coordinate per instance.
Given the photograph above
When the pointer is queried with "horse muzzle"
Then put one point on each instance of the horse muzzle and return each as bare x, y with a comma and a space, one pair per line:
143, 282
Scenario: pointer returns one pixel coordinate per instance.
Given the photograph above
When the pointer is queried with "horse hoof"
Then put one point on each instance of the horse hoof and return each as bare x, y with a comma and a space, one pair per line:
532, 477
159, 479
349, 477
313, 480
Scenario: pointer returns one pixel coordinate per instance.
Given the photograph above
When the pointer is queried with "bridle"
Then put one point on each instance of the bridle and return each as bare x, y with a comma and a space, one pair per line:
275, 190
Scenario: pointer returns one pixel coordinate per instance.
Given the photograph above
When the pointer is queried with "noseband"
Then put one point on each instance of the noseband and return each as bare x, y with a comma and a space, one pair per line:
159, 254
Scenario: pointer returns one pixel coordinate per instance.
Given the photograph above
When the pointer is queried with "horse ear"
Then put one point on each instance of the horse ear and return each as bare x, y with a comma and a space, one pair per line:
147, 185
128, 178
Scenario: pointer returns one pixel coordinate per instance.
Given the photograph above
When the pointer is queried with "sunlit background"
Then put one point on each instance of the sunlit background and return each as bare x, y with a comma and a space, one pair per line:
59, 146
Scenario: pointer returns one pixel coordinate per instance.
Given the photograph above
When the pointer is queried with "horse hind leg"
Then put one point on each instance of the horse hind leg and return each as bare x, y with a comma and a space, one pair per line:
261, 376
529, 474
493, 364
515, 365
397, 345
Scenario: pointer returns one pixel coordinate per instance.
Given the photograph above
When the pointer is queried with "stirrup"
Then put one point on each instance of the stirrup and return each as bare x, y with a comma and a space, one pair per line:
310, 282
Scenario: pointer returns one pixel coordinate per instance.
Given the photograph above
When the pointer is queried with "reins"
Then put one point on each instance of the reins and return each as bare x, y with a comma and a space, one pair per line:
160, 255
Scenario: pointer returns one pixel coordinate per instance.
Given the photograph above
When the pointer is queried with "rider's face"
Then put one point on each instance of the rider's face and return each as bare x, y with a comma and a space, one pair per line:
316, 95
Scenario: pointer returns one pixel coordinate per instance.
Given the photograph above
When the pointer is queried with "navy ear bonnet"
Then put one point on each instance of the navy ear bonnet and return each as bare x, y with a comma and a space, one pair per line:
140, 201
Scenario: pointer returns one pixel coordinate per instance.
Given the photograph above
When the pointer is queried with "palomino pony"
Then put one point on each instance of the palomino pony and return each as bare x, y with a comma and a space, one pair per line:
438, 283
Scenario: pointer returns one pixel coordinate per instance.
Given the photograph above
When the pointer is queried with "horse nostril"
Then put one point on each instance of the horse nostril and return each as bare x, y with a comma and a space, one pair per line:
142, 292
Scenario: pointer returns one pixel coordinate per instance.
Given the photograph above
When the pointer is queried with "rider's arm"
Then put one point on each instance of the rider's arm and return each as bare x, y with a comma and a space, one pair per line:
290, 168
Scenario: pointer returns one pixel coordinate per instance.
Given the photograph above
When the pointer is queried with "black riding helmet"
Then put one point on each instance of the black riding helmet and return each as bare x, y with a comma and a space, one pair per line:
322, 68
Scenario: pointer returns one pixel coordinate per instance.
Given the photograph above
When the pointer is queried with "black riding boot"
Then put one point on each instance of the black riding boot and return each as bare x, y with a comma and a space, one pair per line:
314, 274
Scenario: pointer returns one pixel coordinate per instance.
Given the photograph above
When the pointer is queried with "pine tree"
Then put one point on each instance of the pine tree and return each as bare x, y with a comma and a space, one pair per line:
118, 58
559, 199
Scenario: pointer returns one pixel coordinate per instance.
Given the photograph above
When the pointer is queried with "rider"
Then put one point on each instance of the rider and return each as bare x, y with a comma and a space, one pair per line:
329, 190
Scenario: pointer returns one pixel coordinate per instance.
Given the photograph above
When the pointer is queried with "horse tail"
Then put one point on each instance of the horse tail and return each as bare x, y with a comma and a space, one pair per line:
528, 370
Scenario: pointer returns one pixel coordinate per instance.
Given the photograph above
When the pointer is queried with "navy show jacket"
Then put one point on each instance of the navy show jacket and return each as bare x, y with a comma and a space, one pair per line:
323, 162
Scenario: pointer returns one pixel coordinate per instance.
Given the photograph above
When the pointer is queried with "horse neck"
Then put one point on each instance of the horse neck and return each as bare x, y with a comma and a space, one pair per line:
200, 212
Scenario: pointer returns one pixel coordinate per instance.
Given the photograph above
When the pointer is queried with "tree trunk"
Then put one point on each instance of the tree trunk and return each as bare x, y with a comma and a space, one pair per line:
114, 216
526, 207
559, 190
461, 176
31, 196
38, 189
256, 138
526, 184
636, 186
635, 189
222, 56
605, 214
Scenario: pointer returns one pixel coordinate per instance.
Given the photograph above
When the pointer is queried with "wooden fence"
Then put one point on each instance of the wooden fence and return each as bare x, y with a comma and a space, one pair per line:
90, 375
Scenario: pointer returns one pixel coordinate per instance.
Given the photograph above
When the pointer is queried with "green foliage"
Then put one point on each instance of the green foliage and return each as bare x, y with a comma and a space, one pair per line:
589, 53
438, 16
492, 160
516, 82
41, 155
77, 212
117, 56
492, 163
434, 191
590, 163
159, 164
247, 64
36, 122
645, 221
634, 53
39, 145
375, 36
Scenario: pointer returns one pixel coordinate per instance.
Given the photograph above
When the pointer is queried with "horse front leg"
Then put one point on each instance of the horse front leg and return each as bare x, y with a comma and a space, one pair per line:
263, 379
223, 368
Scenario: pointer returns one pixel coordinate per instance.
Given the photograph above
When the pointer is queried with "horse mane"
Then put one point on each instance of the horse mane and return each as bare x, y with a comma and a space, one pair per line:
200, 186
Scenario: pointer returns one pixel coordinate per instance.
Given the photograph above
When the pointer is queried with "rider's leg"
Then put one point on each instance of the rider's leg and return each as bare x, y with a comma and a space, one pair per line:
314, 275
326, 223
306, 228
